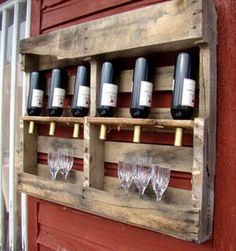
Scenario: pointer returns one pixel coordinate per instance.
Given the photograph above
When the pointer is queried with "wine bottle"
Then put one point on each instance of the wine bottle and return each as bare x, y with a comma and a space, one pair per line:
183, 94
56, 95
107, 95
141, 97
80, 100
35, 97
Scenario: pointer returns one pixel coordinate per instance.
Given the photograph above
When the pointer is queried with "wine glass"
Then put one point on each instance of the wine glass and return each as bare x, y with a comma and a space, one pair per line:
142, 176
160, 180
125, 175
66, 160
53, 163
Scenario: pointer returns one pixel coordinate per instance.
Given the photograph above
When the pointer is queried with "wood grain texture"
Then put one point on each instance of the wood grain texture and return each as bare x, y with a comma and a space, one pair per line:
29, 150
156, 31
93, 157
149, 214
179, 158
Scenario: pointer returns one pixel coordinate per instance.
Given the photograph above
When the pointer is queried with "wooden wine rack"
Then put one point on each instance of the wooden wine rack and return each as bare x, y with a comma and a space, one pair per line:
169, 26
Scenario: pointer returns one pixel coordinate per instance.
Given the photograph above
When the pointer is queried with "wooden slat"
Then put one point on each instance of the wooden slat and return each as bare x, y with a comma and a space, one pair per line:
112, 185
156, 31
167, 219
29, 150
46, 144
179, 158
93, 157
162, 80
59, 120
156, 113
160, 123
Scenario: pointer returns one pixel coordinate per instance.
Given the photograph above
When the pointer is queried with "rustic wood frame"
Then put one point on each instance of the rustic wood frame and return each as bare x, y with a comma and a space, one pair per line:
133, 33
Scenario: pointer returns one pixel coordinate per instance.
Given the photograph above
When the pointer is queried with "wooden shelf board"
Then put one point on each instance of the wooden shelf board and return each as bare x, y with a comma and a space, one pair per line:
171, 219
124, 122
59, 120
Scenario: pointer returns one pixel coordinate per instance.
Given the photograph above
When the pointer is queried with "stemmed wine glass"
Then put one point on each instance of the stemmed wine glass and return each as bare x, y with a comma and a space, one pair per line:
125, 175
65, 159
142, 176
160, 180
53, 163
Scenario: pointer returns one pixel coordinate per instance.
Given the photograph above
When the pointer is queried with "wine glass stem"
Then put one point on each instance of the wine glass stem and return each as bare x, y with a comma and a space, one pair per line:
66, 174
54, 175
126, 190
158, 195
141, 193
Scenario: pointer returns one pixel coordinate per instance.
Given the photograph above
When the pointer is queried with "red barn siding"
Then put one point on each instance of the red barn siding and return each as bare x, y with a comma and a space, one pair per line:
51, 225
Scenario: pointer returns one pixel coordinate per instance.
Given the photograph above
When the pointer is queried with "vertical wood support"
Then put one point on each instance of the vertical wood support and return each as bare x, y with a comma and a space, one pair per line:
93, 147
29, 150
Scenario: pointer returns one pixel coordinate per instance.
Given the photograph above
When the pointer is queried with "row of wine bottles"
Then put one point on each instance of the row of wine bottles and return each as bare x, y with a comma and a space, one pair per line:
183, 91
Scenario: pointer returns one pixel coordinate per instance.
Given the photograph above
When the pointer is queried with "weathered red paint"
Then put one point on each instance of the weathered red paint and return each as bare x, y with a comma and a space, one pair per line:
50, 223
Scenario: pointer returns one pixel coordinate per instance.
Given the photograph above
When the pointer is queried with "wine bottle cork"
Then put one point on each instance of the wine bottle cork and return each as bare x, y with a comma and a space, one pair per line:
137, 134
31, 127
76, 131
103, 132
52, 128
178, 136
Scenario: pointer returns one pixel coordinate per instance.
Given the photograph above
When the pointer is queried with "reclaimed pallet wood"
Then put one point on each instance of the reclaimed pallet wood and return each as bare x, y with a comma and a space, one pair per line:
185, 214
149, 214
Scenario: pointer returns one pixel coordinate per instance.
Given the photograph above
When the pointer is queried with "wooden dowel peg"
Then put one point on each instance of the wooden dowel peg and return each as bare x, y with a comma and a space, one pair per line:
52, 128
137, 134
76, 131
31, 127
103, 132
178, 136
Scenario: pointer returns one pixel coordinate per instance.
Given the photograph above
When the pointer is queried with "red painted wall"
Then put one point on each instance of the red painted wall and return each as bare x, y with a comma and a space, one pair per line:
51, 225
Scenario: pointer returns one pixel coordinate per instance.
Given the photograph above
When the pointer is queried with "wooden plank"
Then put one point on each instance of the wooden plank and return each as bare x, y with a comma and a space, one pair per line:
29, 150
156, 31
95, 76
179, 158
165, 218
163, 77
159, 123
156, 113
46, 144
60, 120
112, 185
93, 157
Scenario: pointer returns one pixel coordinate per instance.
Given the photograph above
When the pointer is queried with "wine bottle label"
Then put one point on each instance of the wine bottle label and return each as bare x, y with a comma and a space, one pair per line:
37, 98
145, 98
188, 94
109, 94
83, 96
58, 97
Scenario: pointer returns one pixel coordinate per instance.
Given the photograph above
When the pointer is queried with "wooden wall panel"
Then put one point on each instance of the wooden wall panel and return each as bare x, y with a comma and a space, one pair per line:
123, 237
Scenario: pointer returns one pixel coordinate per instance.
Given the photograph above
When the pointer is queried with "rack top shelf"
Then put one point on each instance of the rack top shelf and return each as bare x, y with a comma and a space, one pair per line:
131, 33
121, 122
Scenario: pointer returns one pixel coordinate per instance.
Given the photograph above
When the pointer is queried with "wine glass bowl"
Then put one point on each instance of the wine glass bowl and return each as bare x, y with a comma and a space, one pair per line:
160, 179
65, 159
142, 176
53, 163
125, 175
